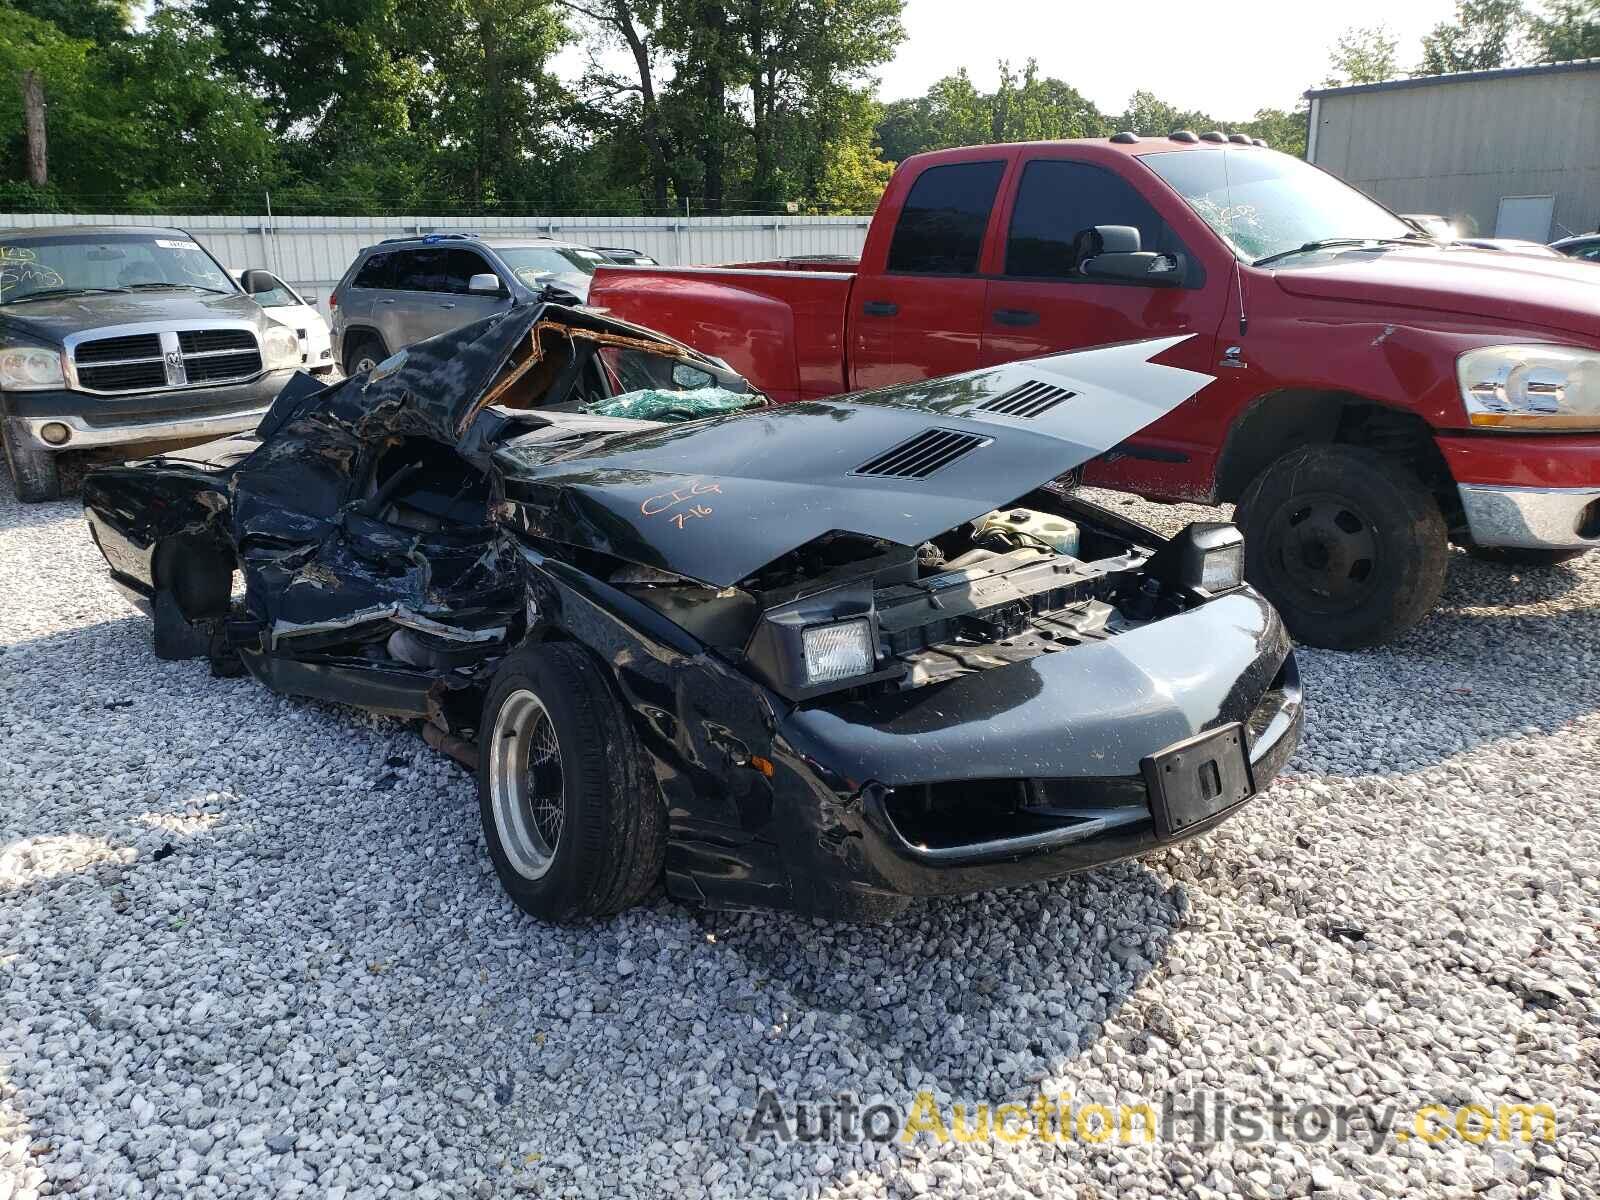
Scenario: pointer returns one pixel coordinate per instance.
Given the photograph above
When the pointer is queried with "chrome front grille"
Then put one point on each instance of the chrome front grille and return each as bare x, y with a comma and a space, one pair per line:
148, 358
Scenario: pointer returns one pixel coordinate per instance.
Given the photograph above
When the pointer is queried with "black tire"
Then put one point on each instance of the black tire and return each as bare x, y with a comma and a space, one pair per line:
1520, 556
605, 851
34, 472
362, 352
1348, 545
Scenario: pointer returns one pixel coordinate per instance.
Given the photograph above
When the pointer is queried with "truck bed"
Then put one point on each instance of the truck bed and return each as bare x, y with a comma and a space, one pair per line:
779, 324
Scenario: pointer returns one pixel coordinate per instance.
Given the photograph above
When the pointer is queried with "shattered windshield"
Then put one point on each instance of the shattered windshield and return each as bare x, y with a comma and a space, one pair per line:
68, 264
1264, 204
534, 264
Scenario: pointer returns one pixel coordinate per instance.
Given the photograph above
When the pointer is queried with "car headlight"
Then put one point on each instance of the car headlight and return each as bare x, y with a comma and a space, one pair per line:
281, 348
842, 650
31, 369
1205, 557
1531, 387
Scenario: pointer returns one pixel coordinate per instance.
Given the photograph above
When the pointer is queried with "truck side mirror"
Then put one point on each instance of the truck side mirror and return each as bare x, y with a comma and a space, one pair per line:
254, 282
1113, 253
485, 283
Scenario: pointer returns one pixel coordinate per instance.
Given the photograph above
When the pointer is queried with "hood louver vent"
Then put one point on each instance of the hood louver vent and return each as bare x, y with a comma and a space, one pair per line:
1027, 401
921, 456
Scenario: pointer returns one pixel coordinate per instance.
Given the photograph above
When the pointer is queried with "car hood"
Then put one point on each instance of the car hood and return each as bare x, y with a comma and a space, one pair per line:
715, 500
1556, 293
53, 320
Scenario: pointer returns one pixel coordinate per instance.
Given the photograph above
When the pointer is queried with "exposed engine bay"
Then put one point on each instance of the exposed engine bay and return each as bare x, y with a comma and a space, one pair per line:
1011, 585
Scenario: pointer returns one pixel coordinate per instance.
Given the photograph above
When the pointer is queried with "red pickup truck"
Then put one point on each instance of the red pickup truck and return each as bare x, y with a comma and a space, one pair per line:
1377, 394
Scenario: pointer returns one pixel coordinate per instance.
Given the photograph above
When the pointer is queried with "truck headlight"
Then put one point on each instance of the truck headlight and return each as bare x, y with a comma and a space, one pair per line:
31, 369
281, 348
838, 651
1531, 387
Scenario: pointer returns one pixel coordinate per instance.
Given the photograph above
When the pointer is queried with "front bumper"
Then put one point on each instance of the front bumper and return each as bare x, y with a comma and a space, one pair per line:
1532, 517
1530, 491
194, 414
1077, 724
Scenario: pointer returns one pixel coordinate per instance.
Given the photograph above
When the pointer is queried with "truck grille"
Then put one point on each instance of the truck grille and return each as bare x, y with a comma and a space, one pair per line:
124, 377
166, 359
212, 341
115, 349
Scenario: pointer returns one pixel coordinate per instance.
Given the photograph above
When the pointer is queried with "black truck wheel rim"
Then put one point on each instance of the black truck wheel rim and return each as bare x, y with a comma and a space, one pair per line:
1323, 552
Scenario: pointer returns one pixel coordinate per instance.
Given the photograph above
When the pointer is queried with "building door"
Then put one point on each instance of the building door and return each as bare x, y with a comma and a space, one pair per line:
1526, 217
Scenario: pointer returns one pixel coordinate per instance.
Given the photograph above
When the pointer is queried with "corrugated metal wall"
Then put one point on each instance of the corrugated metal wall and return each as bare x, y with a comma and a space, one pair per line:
1458, 147
313, 252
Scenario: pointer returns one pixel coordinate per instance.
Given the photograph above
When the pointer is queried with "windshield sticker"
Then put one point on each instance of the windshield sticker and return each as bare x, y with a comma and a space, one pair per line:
170, 244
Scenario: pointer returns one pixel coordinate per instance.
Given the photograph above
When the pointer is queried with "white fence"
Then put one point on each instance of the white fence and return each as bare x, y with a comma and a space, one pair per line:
313, 252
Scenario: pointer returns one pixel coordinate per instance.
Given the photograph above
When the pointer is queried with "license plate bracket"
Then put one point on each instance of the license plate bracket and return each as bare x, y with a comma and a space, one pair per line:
1198, 778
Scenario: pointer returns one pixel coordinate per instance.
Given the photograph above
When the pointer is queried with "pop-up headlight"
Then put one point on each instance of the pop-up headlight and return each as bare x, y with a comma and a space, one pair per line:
842, 650
1207, 556
824, 642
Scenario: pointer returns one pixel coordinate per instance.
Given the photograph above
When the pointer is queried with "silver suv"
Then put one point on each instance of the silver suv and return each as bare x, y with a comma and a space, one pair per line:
406, 289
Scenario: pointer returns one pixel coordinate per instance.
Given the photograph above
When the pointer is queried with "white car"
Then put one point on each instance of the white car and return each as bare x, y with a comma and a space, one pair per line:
286, 306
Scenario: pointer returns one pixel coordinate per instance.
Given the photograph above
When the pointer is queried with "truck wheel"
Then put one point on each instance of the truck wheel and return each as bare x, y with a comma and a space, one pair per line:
34, 472
569, 805
1348, 545
362, 354
1523, 556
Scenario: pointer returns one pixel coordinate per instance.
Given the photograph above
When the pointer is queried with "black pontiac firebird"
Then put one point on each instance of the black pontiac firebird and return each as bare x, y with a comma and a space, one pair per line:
821, 656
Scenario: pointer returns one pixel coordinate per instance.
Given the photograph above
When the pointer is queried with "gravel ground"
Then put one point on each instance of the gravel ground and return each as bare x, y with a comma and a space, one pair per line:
253, 944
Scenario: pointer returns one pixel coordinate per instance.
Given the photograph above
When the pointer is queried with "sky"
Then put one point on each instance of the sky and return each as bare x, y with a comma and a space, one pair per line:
1227, 59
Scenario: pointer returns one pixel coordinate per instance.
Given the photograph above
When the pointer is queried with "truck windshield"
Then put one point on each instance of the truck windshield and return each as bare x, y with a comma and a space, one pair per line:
45, 265
1265, 205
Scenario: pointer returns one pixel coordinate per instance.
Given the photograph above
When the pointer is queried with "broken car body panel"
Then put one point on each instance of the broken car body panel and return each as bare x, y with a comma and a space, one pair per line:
716, 501
400, 534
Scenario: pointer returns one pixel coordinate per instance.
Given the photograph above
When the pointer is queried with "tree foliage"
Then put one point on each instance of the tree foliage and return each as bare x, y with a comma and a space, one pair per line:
684, 106
1566, 30
1363, 54
1482, 34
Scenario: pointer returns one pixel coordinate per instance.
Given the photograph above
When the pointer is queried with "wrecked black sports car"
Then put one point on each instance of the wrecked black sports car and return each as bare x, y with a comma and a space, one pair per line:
821, 656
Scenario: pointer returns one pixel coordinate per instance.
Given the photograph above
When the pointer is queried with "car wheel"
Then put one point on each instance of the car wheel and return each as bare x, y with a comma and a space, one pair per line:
570, 809
362, 354
35, 473
1523, 556
1348, 545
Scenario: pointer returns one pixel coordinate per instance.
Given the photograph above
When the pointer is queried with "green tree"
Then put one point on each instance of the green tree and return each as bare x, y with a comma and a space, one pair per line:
1363, 54
491, 98
180, 133
1482, 35
1567, 30
1281, 130
99, 21
60, 63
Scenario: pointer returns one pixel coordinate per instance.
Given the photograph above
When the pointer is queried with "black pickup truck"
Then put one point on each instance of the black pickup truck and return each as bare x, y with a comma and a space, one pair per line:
116, 341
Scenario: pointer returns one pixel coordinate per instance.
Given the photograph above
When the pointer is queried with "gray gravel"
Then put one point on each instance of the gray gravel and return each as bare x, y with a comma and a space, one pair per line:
252, 944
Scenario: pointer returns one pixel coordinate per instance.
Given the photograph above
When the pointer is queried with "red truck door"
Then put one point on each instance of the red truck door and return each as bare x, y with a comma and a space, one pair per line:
1038, 304
918, 313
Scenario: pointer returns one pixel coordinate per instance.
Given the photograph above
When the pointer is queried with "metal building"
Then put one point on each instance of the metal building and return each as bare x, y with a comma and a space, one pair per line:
1504, 153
